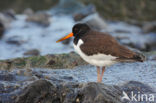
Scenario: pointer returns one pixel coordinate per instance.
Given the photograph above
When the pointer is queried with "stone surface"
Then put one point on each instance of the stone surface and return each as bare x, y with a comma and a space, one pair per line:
15, 40
46, 92
7, 17
41, 18
33, 52
2, 29
149, 27
56, 61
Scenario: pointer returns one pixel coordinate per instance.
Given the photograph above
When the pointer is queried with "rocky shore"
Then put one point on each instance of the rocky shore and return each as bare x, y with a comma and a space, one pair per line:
36, 69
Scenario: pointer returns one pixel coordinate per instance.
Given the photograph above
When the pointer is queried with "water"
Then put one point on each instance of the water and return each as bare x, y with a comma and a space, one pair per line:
44, 39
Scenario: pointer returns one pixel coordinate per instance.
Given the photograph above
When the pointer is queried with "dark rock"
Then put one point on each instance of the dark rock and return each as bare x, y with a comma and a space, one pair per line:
5, 65
40, 18
99, 93
2, 29
33, 52
6, 18
15, 40
7, 77
95, 21
138, 88
40, 91
10, 13
51, 62
149, 27
44, 92
90, 9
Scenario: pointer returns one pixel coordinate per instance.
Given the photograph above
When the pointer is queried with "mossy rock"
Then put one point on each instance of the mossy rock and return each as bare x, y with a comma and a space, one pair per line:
55, 61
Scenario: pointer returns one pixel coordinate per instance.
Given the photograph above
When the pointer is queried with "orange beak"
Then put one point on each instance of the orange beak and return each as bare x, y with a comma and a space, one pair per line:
66, 37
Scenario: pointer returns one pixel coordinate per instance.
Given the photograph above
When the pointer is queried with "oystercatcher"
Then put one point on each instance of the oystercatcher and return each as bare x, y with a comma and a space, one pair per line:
100, 49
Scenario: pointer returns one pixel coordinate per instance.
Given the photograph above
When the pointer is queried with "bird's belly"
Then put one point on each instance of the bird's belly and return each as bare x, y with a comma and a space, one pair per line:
96, 59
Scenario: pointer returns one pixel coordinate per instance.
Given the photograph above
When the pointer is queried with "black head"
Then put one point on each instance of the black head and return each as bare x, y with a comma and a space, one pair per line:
80, 29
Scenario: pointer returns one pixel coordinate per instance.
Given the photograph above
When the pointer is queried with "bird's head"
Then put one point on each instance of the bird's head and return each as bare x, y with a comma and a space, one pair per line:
78, 30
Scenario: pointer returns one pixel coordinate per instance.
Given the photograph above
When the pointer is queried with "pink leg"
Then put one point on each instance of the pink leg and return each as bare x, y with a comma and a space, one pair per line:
98, 74
103, 70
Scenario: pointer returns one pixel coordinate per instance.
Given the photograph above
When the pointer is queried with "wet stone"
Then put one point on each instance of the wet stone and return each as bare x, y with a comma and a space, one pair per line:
7, 77
2, 29
33, 52
15, 40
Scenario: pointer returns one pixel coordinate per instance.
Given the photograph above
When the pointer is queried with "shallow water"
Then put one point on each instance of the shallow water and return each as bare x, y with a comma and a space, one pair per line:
35, 36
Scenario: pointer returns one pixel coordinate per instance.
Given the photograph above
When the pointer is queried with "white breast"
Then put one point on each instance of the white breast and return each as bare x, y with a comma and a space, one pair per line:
97, 59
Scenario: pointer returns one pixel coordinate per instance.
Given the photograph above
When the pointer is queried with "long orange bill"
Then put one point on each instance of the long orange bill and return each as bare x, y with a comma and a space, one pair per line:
66, 37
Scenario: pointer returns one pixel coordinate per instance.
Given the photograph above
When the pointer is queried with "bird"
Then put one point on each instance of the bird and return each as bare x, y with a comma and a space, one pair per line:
100, 49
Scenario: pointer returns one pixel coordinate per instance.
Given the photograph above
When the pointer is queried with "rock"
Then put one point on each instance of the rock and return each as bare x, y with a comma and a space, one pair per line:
95, 21
56, 61
2, 30
15, 40
7, 17
33, 52
68, 93
40, 91
10, 13
44, 91
28, 11
6, 77
99, 93
90, 9
149, 27
136, 88
41, 18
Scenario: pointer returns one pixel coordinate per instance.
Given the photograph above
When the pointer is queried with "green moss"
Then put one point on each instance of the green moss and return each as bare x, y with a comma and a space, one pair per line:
19, 63
37, 61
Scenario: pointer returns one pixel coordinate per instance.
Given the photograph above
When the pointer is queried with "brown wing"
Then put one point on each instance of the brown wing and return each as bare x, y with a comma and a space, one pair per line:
97, 42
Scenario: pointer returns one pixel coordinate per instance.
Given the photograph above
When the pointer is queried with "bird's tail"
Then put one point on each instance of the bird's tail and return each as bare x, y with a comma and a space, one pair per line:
139, 57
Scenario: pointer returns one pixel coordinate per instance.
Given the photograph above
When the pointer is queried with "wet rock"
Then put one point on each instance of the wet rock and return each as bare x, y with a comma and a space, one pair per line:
10, 13
95, 21
41, 18
149, 27
56, 61
6, 65
28, 11
2, 29
33, 52
90, 9
137, 88
15, 40
99, 93
44, 92
7, 77
7, 17
68, 93
40, 91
